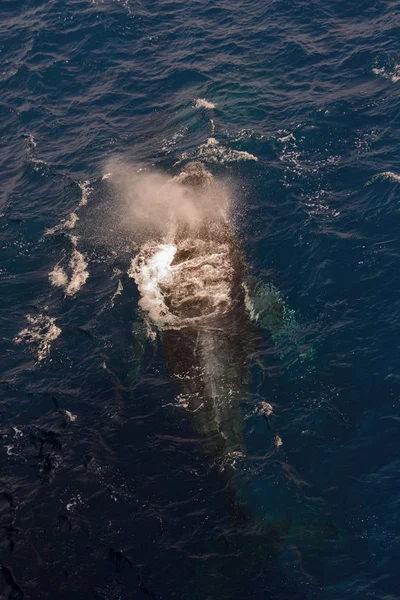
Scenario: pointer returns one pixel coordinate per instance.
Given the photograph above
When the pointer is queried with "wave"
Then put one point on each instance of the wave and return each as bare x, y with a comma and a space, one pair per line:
58, 277
203, 103
393, 74
71, 221
68, 223
39, 334
78, 272
117, 292
214, 152
78, 264
86, 190
389, 175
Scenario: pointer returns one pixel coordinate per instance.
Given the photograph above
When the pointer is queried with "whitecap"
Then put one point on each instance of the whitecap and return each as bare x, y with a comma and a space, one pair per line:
38, 164
203, 103
32, 140
79, 274
290, 151
74, 502
58, 277
393, 75
168, 144
70, 416
65, 224
150, 269
287, 138
77, 264
85, 189
264, 408
39, 334
17, 432
213, 152
231, 459
71, 222
182, 400
390, 175
117, 292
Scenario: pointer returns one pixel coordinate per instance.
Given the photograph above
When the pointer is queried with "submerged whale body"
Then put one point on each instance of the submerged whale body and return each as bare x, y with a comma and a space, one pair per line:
196, 297
195, 294
191, 289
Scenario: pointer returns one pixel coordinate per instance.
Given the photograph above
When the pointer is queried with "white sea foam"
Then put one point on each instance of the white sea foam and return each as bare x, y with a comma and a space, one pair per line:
287, 138
392, 74
213, 152
79, 274
38, 164
150, 269
58, 277
53, 230
231, 459
39, 334
290, 151
203, 103
75, 275
245, 134
197, 288
183, 400
86, 189
17, 432
117, 292
71, 222
74, 502
168, 144
264, 408
386, 175
64, 224
391, 176
77, 268
32, 140
70, 416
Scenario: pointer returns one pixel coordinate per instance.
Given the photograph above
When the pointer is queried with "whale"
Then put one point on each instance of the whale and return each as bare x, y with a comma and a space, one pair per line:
197, 298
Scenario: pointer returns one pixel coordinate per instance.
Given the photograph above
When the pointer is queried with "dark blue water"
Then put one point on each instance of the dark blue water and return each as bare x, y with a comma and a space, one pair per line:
105, 490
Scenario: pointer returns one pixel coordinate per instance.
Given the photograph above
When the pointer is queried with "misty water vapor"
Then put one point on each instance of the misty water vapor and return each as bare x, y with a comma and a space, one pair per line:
155, 205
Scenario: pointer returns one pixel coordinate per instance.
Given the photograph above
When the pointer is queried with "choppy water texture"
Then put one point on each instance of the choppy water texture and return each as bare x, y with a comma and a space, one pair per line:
106, 490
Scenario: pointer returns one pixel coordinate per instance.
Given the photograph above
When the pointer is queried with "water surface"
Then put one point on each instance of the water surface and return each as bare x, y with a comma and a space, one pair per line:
106, 492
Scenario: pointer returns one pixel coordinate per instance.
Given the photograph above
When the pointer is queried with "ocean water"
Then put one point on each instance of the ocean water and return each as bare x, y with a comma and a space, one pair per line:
106, 491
